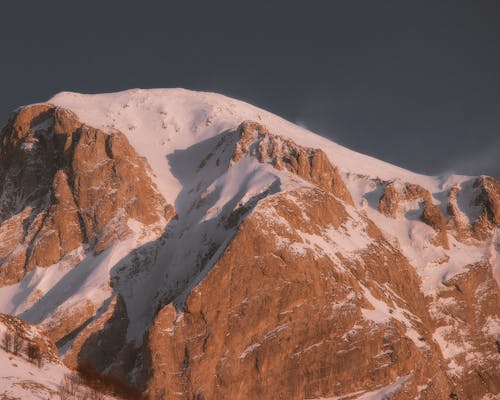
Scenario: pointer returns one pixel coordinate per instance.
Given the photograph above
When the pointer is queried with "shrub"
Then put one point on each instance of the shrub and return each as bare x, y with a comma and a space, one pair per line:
34, 354
7, 341
17, 343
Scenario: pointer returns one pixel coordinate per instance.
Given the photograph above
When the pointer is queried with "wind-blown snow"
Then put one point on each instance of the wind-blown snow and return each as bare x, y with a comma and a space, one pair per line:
160, 121
184, 136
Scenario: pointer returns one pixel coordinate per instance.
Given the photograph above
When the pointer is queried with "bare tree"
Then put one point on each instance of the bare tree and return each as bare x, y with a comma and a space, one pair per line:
17, 344
68, 387
7, 341
34, 354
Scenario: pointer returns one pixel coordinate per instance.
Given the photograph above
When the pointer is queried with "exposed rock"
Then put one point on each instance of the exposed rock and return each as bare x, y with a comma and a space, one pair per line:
458, 222
466, 317
65, 185
310, 164
98, 343
28, 335
489, 199
396, 193
287, 291
270, 322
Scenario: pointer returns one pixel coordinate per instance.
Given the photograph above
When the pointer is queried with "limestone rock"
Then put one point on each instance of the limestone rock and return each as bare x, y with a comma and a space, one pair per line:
281, 276
28, 335
310, 164
64, 185
269, 322
396, 193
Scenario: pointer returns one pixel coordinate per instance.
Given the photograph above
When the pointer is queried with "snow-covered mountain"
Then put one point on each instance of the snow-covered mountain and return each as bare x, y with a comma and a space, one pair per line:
196, 246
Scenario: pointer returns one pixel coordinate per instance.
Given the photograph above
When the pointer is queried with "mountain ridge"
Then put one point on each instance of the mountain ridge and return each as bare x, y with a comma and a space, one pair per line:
258, 206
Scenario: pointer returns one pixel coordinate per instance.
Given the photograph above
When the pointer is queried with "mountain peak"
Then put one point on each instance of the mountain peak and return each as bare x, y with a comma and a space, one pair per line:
196, 246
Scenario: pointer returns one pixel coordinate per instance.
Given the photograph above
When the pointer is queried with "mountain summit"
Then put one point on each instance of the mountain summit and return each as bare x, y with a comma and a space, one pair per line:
196, 247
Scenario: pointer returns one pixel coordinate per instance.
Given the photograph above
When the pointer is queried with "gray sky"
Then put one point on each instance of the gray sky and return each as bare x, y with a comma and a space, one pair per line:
416, 83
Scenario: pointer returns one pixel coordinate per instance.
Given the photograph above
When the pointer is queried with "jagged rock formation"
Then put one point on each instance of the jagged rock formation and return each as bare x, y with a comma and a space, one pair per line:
293, 268
65, 184
486, 199
31, 369
396, 193
276, 318
27, 336
310, 164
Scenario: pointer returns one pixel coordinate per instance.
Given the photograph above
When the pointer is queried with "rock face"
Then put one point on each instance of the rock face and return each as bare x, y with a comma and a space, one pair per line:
285, 273
273, 321
310, 164
396, 194
64, 185
486, 199
29, 337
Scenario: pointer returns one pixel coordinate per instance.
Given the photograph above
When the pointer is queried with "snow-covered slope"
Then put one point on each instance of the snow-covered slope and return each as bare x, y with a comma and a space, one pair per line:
160, 121
175, 129
215, 171
20, 379
31, 370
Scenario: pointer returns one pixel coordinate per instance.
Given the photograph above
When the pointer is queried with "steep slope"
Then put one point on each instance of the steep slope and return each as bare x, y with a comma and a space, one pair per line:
291, 261
30, 368
71, 195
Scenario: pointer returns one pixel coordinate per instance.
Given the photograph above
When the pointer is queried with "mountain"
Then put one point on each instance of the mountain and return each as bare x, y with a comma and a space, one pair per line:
196, 247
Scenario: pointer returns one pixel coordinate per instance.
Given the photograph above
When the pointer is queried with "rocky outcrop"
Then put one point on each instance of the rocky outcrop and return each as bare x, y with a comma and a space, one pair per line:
486, 217
64, 185
28, 337
397, 193
276, 318
466, 318
488, 199
458, 222
281, 288
310, 164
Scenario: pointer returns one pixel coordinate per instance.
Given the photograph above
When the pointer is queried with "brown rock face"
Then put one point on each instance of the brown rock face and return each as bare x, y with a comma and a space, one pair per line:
297, 295
466, 316
271, 322
458, 223
310, 164
395, 193
487, 199
63, 185
29, 336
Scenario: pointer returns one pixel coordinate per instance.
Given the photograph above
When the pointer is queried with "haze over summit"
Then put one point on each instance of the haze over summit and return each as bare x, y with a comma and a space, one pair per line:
414, 83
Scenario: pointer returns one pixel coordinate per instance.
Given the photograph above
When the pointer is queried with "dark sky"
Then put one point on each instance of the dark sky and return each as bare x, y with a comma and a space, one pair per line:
416, 83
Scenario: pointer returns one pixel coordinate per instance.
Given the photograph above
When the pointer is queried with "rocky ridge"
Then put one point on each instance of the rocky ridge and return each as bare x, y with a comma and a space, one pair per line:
66, 185
284, 271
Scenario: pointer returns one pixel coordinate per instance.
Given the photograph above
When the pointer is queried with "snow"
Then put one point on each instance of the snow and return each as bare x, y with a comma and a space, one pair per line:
170, 123
380, 394
382, 313
62, 286
187, 138
249, 349
165, 120
22, 379
492, 327
383, 393
434, 264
